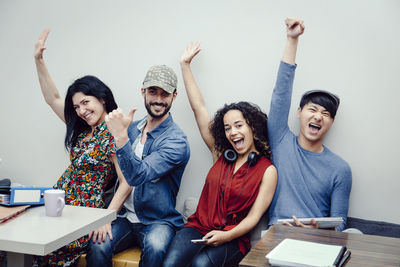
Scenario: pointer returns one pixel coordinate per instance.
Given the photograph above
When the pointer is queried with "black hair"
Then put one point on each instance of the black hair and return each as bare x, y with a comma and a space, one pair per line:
88, 85
322, 99
255, 118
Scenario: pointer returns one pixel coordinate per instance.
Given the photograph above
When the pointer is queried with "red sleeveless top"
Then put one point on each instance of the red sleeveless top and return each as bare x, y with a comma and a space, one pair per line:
227, 197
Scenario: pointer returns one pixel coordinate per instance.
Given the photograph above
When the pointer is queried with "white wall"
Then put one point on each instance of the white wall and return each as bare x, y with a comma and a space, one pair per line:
349, 47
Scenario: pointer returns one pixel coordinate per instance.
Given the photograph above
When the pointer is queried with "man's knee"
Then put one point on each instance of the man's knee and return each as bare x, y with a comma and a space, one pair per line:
101, 247
158, 238
99, 252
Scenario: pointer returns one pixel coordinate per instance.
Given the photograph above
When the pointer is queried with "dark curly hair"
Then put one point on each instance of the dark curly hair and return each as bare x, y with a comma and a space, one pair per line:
255, 118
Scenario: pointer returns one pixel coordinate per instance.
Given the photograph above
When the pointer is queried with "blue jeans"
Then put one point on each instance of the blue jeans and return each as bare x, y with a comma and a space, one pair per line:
182, 252
153, 239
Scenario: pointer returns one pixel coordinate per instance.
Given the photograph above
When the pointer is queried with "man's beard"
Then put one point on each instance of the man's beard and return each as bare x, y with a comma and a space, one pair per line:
156, 116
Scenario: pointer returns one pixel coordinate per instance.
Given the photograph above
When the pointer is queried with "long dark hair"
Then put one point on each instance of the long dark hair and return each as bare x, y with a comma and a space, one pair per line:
88, 85
255, 118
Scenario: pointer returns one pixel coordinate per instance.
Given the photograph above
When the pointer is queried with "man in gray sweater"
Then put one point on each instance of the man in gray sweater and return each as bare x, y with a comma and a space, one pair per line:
312, 180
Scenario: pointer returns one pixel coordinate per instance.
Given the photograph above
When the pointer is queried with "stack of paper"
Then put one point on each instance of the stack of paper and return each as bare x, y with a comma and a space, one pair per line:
291, 252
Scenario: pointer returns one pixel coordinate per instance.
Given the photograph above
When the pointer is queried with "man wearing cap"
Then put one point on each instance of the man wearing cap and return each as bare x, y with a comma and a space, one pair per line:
152, 153
312, 181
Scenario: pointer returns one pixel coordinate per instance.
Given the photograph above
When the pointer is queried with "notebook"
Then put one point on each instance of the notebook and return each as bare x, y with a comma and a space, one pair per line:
292, 252
7, 213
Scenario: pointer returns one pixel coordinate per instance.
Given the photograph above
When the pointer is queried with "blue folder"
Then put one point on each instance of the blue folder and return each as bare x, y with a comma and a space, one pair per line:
23, 195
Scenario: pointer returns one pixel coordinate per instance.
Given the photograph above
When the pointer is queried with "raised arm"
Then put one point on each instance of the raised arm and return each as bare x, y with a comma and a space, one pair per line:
294, 28
282, 94
196, 99
49, 89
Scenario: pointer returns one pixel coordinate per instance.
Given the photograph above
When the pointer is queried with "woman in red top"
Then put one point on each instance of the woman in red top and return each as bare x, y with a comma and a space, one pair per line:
239, 186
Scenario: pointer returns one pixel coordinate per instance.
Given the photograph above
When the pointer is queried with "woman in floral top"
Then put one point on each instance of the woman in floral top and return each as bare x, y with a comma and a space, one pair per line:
92, 151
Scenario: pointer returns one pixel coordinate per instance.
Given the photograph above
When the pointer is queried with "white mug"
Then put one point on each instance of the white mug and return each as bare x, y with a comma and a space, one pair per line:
54, 202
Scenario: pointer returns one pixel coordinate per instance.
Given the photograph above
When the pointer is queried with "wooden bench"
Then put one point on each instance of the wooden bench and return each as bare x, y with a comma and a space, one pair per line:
126, 258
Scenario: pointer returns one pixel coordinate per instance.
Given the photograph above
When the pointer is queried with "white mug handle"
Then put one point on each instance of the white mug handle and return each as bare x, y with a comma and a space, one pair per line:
61, 205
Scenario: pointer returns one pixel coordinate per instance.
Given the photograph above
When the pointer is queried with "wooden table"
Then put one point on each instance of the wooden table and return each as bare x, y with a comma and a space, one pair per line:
366, 250
34, 233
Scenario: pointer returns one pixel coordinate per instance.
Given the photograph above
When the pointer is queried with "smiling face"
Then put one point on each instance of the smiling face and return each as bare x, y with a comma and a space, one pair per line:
315, 121
157, 101
238, 132
89, 108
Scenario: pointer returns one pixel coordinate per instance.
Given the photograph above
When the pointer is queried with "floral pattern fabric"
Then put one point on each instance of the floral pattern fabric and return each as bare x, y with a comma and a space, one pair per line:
84, 182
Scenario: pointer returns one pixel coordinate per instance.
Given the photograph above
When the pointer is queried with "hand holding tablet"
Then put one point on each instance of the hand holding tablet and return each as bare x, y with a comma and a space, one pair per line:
323, 222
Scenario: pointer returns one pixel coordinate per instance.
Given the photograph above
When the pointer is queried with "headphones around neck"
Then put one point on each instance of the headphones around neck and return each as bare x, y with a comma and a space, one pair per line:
230, 156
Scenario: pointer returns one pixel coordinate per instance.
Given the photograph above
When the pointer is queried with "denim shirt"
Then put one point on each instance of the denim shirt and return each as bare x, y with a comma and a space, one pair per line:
157, 176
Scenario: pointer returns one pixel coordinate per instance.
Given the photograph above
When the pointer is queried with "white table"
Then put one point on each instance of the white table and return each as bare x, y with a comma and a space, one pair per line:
35, 233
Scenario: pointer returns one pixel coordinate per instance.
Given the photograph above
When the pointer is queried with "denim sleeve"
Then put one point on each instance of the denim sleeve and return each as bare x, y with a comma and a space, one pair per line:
171, 152
280, 103
340, 196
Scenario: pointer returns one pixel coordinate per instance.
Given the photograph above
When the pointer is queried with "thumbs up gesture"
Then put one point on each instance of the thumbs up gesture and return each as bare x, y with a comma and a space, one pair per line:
118, 123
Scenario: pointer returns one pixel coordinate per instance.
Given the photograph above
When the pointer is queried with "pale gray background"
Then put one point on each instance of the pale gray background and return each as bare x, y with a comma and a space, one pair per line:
349, 47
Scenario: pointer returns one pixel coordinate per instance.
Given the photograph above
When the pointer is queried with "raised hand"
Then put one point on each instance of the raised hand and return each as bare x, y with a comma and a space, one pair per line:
294, 27
40, 45
118, 123
190, 52
47, 85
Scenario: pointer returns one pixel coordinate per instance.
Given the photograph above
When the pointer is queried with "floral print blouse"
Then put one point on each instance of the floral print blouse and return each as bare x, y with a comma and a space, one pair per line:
90, 170
84, 182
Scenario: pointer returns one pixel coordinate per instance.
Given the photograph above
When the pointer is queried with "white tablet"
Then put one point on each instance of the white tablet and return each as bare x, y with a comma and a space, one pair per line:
323, 222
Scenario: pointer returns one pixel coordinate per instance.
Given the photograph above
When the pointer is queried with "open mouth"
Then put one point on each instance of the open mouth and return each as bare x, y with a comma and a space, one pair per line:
314, 128
238, 143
